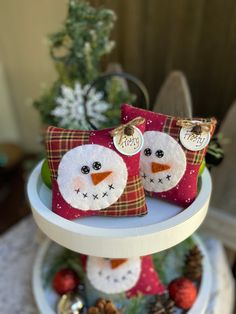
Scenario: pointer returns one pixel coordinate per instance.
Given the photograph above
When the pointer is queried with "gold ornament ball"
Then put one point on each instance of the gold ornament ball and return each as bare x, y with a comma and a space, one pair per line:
71, 303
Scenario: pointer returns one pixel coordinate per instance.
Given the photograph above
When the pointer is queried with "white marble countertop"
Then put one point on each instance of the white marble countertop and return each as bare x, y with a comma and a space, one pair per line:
18, 248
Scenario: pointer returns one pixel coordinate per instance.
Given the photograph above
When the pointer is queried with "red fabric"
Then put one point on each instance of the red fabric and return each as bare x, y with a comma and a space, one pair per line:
102, 137
184, 193
60, 141
131, 202
83, 259
149, 282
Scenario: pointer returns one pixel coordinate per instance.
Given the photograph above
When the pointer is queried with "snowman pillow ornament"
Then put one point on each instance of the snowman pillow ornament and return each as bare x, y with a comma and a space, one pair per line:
96, 172
129, 276
172, 153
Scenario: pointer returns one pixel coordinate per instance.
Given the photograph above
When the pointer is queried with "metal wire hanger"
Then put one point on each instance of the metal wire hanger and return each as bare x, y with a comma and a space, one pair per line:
134, 80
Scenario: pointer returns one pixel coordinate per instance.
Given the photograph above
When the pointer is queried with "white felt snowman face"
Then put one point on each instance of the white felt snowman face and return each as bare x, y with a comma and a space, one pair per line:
163, 162
113, 276
91, 177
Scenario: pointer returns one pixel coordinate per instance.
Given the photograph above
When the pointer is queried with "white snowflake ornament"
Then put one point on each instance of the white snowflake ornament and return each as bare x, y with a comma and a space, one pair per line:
70, 107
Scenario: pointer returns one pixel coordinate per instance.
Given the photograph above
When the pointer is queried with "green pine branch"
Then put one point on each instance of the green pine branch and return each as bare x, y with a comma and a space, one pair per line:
76, 51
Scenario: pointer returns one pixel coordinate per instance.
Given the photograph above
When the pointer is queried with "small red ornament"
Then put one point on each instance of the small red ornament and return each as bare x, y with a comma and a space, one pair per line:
183, 292
65, 280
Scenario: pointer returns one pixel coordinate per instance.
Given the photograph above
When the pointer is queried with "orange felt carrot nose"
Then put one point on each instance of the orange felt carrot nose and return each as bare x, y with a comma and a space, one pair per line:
156, 167
100, 176
117, 262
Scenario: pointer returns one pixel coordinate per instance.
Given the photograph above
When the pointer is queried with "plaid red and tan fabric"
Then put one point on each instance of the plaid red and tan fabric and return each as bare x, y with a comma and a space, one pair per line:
171, 184
92, 173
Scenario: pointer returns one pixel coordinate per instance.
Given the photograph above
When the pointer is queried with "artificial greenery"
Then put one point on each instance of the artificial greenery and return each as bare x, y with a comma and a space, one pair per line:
137, 305
76, 51
170, 263
63, 259
215, 152
175, 256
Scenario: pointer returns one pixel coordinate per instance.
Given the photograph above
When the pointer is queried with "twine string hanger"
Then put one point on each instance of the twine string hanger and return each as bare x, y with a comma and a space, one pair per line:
126, 129
197, 127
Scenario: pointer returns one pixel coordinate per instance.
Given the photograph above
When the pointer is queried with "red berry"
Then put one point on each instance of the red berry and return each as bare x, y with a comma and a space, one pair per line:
65, 280
183, 292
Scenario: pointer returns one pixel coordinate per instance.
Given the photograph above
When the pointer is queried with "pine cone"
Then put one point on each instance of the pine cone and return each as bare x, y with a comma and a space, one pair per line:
193, 264
103, 306
162, 305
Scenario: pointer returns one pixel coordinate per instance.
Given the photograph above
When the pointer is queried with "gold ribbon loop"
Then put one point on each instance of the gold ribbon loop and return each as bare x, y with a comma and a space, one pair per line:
198, 127
127, 129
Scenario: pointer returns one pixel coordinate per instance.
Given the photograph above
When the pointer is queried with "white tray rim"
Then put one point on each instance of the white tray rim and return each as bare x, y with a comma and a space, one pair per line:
199, 307
129, 241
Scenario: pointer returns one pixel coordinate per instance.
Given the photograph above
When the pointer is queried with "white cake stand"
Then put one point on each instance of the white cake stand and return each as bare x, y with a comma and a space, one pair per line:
164, 226
47, 299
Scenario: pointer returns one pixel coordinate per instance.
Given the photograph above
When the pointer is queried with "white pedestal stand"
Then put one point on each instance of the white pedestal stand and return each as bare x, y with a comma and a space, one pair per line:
164, 226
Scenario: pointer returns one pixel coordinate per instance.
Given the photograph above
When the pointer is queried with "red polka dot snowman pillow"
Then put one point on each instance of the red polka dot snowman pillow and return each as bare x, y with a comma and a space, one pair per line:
129, 276
91, 177
172, 153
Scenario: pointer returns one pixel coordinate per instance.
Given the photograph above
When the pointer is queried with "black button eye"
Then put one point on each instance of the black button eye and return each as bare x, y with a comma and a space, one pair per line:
147, 151
97, 165
85, 169
159, 153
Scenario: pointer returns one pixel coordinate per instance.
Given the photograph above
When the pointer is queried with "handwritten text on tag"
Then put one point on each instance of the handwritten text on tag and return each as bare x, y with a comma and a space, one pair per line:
192, 141
129, 144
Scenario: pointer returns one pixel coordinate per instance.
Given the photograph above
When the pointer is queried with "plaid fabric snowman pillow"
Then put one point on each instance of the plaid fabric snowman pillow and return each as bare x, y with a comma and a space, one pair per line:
91, 177
172, 153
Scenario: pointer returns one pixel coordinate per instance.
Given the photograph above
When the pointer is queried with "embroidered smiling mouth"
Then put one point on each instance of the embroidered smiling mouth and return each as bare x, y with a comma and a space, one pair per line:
150, 179
97, 196
114, 279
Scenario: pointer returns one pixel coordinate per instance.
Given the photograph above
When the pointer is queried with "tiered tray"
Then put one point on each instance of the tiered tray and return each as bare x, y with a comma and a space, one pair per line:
47, 299
164, 226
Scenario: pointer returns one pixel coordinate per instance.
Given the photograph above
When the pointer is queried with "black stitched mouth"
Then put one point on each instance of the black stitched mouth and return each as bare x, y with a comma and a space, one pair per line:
160, 180
144, 176
95, 197
111, 187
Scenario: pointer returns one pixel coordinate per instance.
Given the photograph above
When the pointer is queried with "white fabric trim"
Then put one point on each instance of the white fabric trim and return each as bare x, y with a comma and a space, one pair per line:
108, 280
174, 156
77, 188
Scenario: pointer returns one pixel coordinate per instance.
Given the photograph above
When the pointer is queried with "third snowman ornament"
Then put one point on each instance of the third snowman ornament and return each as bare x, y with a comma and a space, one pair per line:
130, 276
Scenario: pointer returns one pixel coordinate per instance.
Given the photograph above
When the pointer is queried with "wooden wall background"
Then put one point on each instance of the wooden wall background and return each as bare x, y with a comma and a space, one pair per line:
195, 36
153, 37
